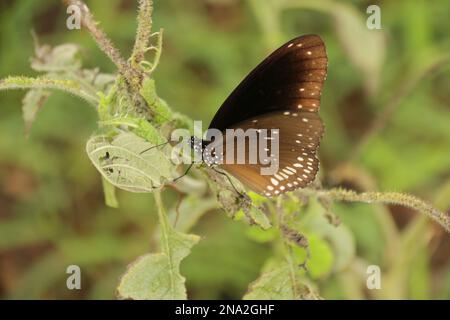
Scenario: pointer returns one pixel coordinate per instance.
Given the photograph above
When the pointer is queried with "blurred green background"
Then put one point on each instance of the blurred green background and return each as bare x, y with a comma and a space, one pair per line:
52, 212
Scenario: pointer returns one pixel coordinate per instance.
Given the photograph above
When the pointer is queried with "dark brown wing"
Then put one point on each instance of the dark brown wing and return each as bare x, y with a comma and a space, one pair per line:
291, 78
299, 137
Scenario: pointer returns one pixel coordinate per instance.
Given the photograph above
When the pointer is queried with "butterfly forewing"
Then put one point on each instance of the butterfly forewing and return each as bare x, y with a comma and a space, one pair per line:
290, 78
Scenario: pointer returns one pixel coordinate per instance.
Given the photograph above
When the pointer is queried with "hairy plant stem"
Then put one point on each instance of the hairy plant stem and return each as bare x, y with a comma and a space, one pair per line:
69, 86
131, 75
363, 181
278, 214
143, 33
394, 198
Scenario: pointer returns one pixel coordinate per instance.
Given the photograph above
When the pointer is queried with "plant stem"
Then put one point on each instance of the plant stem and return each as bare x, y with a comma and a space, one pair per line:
106, 45
143, 33
69, 86
288, 254
162, 218
395, 198
165, 229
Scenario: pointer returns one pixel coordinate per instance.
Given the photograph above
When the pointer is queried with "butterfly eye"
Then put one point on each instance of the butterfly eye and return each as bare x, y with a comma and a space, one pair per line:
192, 141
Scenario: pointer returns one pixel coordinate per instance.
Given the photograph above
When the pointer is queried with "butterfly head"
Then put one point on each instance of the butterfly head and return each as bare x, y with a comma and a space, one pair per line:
197, 144
208, 154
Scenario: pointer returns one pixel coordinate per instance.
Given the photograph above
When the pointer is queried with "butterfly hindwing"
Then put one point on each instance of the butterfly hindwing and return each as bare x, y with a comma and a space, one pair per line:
299, 138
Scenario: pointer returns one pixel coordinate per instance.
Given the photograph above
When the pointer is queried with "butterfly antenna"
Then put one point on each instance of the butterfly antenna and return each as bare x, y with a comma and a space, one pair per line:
185, 173
229, 180
159, 145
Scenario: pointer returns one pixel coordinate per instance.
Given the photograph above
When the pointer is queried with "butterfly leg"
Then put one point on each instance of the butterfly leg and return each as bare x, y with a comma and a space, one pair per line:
159, 145
229, 180
185, 173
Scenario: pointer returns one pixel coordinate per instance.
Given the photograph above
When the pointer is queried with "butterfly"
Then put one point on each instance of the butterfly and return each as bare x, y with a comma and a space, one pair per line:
281, 94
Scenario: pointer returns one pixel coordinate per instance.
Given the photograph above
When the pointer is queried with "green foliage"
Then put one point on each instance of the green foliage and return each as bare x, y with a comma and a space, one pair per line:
130, 163
68, 86
160, 108
390, 91
157, 276
110, 194
279, 284
321, 261
141, 127
32, 103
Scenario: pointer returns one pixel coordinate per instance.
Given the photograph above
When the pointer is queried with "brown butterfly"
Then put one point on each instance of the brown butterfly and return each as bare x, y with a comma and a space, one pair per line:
282, 93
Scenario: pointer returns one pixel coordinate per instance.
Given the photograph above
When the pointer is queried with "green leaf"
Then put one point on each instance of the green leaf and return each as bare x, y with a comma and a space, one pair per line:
259, 217
255, 212
129, 162
339, 238
279, 284
321, 258
32, 103
149, 278
157, 275
109, 192
191, 209
344, 246
64, 58
141, 127
263, 236
100, 81
162, 111
124, 166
